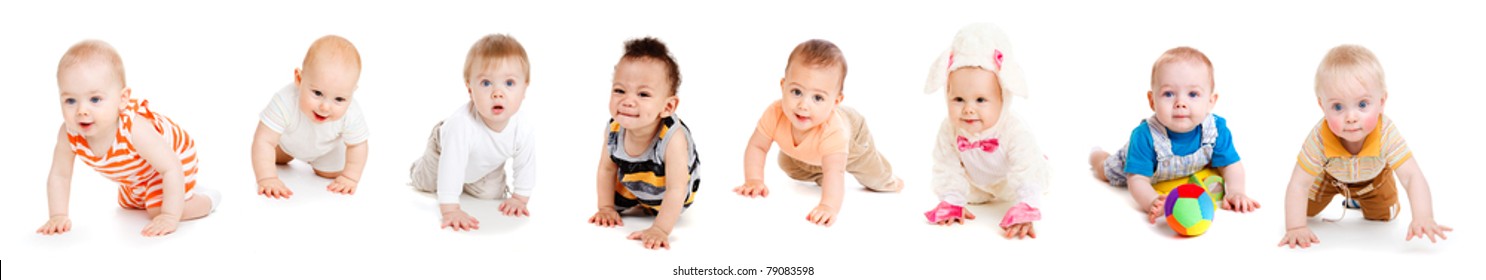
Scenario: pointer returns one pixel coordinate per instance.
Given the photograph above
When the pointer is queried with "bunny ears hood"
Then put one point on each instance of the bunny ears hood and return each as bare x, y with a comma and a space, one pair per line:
980, 45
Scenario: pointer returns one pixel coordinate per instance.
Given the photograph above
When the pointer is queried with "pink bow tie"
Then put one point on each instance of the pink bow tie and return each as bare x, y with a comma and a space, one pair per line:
988, 145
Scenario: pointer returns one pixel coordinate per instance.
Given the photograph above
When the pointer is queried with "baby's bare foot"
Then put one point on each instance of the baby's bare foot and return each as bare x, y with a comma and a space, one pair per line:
1096, 163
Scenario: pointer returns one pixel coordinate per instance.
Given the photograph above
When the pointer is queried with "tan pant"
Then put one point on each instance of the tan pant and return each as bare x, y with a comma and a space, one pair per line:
425, 173
1378, 197
862, 160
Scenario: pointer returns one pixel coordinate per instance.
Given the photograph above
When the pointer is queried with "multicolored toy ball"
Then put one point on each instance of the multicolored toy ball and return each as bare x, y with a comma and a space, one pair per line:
1189, 210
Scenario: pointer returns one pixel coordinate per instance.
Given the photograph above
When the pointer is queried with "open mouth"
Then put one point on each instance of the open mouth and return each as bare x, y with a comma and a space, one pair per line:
85, 125
321, 118
800, 118
497, 109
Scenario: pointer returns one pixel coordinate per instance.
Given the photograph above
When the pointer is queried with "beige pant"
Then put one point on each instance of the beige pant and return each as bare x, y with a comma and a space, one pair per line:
862, 160
425, 173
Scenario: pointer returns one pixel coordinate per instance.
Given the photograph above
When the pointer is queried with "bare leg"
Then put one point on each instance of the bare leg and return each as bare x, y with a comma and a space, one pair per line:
196, 207
327, 175
280, 157
1096, 164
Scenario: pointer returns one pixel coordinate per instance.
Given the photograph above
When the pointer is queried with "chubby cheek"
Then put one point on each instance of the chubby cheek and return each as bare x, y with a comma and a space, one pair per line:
1369, 122
338, 112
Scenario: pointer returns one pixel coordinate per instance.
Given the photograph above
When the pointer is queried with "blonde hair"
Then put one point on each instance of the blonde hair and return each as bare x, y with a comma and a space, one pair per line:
492, 48
1183, 53
89, 51
818, 53
1349, 61
333, 48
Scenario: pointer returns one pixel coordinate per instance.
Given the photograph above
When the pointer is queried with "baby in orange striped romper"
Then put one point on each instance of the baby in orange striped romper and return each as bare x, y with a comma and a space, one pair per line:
151, 158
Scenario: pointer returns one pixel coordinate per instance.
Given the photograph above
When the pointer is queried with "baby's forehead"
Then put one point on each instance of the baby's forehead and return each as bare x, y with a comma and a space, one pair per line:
492, 65
641, 65
1190, 68
1348, 85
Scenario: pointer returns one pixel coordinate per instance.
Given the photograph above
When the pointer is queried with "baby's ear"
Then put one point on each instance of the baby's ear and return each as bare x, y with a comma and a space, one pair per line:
124, 96
1215, 98
1150, 99
296, 77
671, 104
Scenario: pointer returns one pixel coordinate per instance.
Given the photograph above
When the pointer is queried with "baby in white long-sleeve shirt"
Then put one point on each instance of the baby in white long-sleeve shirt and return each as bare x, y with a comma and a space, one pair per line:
983, 153
468, 151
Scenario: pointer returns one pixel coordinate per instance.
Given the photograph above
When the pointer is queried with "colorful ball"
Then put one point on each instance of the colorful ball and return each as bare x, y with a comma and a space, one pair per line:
1207, 177
1189, 210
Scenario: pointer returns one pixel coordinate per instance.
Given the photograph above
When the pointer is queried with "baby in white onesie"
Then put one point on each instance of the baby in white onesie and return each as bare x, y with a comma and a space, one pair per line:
315, 120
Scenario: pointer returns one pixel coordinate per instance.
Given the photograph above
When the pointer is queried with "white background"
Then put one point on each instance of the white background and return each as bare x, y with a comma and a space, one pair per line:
213, 66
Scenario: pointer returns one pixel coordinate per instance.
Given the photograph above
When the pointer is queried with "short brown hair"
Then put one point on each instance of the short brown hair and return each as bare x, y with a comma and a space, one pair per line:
652, 48
494, 47
92, 51
819, 53
1183, 54
332, 48
1349, 61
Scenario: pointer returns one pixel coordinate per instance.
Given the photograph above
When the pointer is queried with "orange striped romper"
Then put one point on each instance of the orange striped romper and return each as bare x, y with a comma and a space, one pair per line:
140, 186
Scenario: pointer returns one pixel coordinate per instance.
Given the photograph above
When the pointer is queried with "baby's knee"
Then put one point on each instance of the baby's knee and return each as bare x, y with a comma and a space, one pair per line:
327, 174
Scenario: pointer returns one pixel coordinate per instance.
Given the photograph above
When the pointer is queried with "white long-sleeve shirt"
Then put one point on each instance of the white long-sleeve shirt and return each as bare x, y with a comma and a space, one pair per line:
470, 150
1015, 171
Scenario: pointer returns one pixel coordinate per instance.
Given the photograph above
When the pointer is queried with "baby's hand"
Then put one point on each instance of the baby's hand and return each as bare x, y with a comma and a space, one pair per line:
606, 217
1156, 209
514, 206
457, 220
1020, 231
273, 188
342, 185
161, 225
1423, 228
1241, 203
965, 215
1299, 237
653, 238
56, 225
823, 215
752, 189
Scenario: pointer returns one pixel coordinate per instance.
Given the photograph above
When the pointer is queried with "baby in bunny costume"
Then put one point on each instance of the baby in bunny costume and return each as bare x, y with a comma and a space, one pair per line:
983, 152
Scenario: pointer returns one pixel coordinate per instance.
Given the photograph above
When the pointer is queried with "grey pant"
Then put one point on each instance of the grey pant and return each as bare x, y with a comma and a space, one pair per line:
425, 173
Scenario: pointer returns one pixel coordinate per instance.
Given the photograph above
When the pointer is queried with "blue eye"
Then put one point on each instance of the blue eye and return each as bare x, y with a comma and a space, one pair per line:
95, 100
69, 101
510, 83
1192, 94
484, 83
1362, 104
1167, 94
1337, 107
